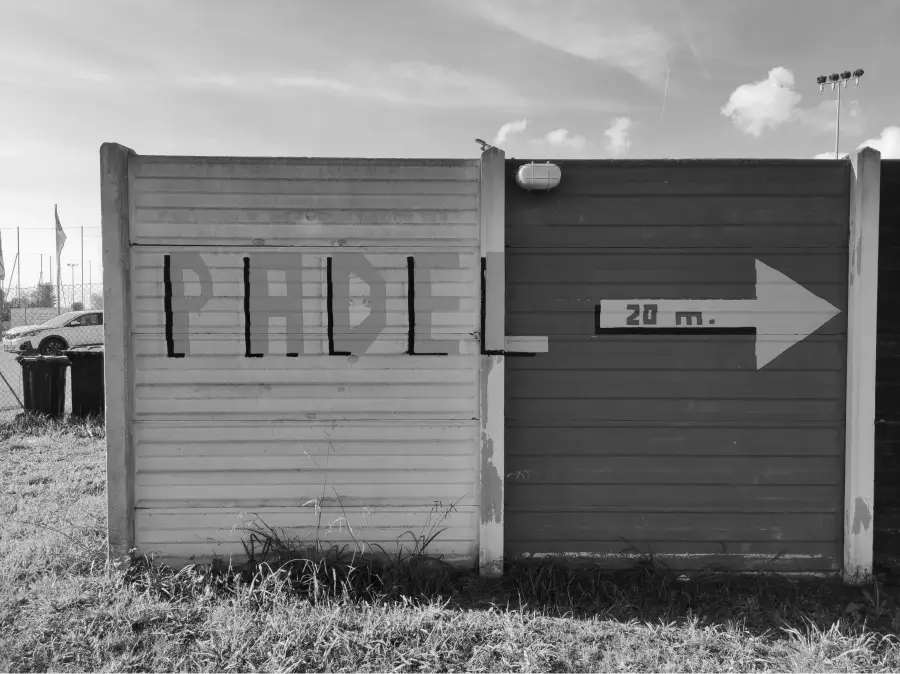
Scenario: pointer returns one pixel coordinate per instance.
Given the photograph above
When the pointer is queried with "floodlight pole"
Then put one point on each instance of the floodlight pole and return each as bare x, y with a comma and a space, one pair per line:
837, 126
71, 266
838, 80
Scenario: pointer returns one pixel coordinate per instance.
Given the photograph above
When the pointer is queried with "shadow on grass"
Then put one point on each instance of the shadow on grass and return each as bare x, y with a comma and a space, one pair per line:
646, 593
650, 593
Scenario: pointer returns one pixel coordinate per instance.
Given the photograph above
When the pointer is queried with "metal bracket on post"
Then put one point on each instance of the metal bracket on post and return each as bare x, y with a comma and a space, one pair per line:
537, 344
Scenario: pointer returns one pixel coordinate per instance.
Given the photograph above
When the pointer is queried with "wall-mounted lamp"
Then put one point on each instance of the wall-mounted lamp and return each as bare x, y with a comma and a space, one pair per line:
538, 176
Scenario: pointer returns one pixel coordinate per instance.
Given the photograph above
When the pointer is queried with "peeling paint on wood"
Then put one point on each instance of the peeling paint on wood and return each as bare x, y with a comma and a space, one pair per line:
491, 480
862, 516
862, 322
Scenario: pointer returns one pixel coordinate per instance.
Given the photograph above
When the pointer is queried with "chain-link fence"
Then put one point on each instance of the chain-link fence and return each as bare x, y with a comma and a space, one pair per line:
34, 322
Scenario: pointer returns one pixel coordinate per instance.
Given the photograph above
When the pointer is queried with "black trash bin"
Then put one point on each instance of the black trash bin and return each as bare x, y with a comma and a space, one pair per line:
44, 384
87, 380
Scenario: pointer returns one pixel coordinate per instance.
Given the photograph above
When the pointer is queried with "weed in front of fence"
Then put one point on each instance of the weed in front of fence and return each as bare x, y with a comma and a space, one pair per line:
313, 569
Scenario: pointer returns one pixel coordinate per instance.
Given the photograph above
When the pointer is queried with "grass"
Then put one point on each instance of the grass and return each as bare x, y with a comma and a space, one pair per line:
63, 609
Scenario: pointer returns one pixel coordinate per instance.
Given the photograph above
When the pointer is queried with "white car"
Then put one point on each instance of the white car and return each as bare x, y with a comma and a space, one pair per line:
75, 328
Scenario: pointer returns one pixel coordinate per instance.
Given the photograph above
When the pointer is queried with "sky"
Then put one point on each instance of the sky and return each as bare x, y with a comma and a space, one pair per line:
542, 79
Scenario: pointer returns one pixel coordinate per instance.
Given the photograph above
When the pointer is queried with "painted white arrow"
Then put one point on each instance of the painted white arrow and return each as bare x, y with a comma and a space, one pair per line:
783, 314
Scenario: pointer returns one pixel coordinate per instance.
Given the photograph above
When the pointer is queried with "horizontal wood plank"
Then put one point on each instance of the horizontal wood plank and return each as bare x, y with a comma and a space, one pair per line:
300, 371
309, 396
422, 489
299, 186
310, 168
222, 200
227, 266
709, 210
637, 527
301, 461
377, 432
650, 408
560, 468
652, 440
674, 353
667, 266
614, 384
231, 344
621, 497
761, 236
743, 556
329, 408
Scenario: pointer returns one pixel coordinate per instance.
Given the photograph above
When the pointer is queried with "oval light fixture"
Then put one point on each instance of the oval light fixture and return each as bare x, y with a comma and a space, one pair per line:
538, 176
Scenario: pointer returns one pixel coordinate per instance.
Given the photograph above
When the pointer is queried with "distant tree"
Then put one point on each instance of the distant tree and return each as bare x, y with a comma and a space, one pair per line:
43, 296
96, 300
77, 306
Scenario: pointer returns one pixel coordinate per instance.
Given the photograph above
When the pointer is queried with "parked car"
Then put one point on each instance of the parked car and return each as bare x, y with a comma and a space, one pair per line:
75, 328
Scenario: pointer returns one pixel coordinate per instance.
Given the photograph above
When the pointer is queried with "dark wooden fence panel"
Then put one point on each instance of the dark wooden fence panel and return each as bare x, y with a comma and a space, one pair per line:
887, 389
675, 444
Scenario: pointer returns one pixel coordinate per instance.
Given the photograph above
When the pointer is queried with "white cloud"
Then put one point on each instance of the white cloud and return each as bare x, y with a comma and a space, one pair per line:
766, 103
563, 139
772, 102
510, 128
95, 76
821, 118
404, 83
224, 80
574, 144
617, 142
888, 144
313, 82
409, 83
563, 143
587, 30
431, 84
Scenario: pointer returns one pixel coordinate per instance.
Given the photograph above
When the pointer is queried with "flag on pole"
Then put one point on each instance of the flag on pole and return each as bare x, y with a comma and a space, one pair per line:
60, 235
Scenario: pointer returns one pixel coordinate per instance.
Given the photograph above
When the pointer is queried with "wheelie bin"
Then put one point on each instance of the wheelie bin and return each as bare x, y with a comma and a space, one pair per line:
44, 384
87, 381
